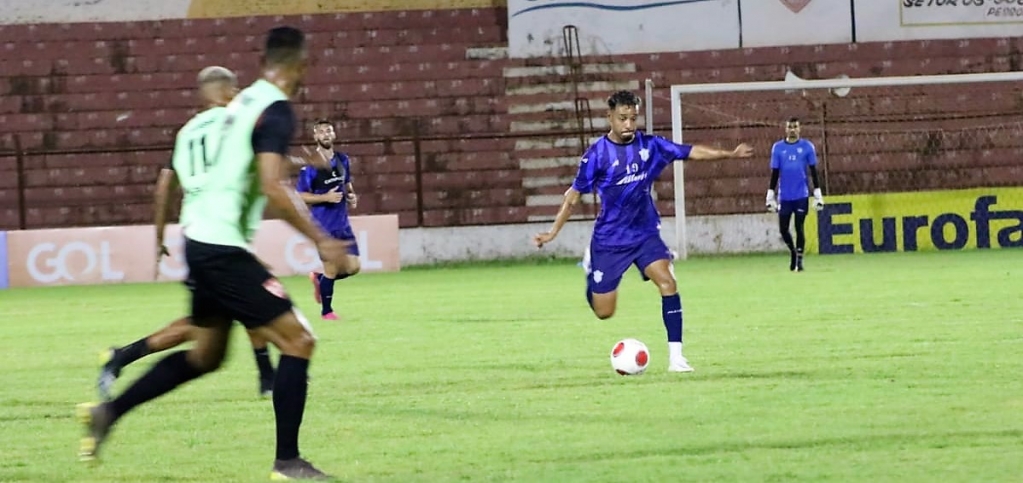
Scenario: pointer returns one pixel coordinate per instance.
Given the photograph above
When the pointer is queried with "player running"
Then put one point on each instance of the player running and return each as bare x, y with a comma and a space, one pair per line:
326, 185
226, 198
622, 166
789, 159
217, 86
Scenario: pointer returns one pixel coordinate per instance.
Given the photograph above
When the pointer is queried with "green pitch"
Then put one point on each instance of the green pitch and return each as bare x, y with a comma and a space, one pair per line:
895, 367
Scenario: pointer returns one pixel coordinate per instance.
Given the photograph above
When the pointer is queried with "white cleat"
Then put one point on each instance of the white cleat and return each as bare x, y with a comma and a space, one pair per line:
680, 366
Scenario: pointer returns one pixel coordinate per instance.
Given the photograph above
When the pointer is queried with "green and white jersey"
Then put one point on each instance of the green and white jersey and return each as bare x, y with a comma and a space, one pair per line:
191, 157
227, 200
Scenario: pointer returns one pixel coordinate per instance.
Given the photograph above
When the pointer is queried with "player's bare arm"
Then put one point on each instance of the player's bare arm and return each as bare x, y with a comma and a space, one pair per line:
707, 153
328, 197
353, 199
572, 198
165, 183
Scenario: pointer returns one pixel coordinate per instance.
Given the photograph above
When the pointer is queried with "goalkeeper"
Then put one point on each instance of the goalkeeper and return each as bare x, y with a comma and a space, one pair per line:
789, 159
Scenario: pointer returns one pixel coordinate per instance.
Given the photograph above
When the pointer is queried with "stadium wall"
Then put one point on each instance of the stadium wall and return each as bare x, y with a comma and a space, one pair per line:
435, 119
987, 218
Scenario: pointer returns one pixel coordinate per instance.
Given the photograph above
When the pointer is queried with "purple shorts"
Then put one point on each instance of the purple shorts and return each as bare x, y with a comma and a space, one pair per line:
605, 266
346, 234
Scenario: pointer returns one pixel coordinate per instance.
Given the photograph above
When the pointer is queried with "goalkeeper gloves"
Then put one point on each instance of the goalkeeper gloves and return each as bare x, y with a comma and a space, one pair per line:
818, 199
772, 201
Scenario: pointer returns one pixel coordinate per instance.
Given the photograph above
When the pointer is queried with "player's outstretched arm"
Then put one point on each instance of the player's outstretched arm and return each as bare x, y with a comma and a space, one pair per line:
165, 183
572, 198
706, 153
284, 201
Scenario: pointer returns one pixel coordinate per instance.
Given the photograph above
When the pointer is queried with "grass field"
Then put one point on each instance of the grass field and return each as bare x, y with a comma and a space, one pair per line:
888, 367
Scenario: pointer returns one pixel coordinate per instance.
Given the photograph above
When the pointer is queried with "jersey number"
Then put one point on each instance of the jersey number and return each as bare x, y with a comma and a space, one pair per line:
197, 152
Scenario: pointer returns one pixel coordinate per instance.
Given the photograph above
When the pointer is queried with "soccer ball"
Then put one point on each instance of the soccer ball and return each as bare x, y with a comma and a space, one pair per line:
629, 357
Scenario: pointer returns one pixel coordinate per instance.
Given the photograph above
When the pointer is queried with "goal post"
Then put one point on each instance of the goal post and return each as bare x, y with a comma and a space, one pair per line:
913, 126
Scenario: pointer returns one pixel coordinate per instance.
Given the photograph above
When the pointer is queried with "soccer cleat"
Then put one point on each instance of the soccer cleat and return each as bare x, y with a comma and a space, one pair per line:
681, 365
108, 373
792, 261
97, 422
297, 469
330, 316
315, 279
799, 262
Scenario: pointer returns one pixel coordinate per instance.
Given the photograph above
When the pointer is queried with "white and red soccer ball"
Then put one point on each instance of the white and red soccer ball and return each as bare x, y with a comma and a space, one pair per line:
630, 357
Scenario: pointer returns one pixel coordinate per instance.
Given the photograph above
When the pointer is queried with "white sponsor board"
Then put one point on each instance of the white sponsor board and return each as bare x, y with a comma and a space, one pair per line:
708, 235
795, 22
879, 20
536, 27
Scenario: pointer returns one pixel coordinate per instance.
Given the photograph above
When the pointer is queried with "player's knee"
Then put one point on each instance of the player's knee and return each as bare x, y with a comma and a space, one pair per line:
305, 344
301, 345
667, 287
353, 266
603, 313
205, 362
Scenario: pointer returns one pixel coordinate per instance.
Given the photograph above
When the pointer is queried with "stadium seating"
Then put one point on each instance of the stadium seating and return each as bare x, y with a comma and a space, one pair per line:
96, 106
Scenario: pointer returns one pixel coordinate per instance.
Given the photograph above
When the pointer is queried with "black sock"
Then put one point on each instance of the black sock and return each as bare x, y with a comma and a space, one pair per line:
171, 372
290, 390
266, 368
130, 353
326, 294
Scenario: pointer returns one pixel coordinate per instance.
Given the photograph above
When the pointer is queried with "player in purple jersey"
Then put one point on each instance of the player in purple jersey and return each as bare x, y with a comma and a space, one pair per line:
622, 167
789, 159
326, 186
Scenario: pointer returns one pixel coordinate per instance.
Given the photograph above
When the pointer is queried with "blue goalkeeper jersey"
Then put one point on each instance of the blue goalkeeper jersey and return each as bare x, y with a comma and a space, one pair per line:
791, 160
622, 175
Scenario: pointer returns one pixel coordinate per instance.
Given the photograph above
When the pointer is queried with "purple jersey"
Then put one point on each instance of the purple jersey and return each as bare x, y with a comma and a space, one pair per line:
333, 217
791, 160
622, 175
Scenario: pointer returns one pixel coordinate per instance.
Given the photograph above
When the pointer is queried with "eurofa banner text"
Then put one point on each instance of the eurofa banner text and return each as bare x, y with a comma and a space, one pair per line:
921, 221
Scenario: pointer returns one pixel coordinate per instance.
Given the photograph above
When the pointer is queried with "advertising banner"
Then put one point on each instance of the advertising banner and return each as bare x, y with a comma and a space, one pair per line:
84, 256
535, 27
924, 221
795, 22
880, 20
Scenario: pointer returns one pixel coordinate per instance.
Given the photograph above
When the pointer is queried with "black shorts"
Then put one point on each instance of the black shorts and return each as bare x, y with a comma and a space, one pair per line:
799, 207
230, 283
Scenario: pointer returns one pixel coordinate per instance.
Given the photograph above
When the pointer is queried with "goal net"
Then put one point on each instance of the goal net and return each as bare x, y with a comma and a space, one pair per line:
918, 137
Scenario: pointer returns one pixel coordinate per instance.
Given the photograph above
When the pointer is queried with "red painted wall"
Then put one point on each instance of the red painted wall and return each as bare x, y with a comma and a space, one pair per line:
92, 110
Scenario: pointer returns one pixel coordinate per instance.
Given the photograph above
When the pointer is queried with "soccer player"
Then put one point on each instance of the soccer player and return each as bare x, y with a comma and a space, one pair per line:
236, 176
789, 159
217, 86
326, 185
622, 166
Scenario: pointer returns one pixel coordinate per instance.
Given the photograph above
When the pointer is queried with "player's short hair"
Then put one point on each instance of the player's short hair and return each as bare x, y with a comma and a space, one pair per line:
216, 73
322, 121
622, 98
283, 46
792, 119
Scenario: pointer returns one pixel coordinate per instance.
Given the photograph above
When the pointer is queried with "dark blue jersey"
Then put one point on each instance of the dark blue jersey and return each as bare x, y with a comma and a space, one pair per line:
331, 216
622, 175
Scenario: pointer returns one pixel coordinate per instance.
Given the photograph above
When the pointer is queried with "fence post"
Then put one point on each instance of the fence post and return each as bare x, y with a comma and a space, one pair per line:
418, 153
19, 159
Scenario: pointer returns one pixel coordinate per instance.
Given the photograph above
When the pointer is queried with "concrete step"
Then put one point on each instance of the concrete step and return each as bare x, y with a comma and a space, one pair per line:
545, 181
486, 53
598, 123
598, 86
562, 70
547, 163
